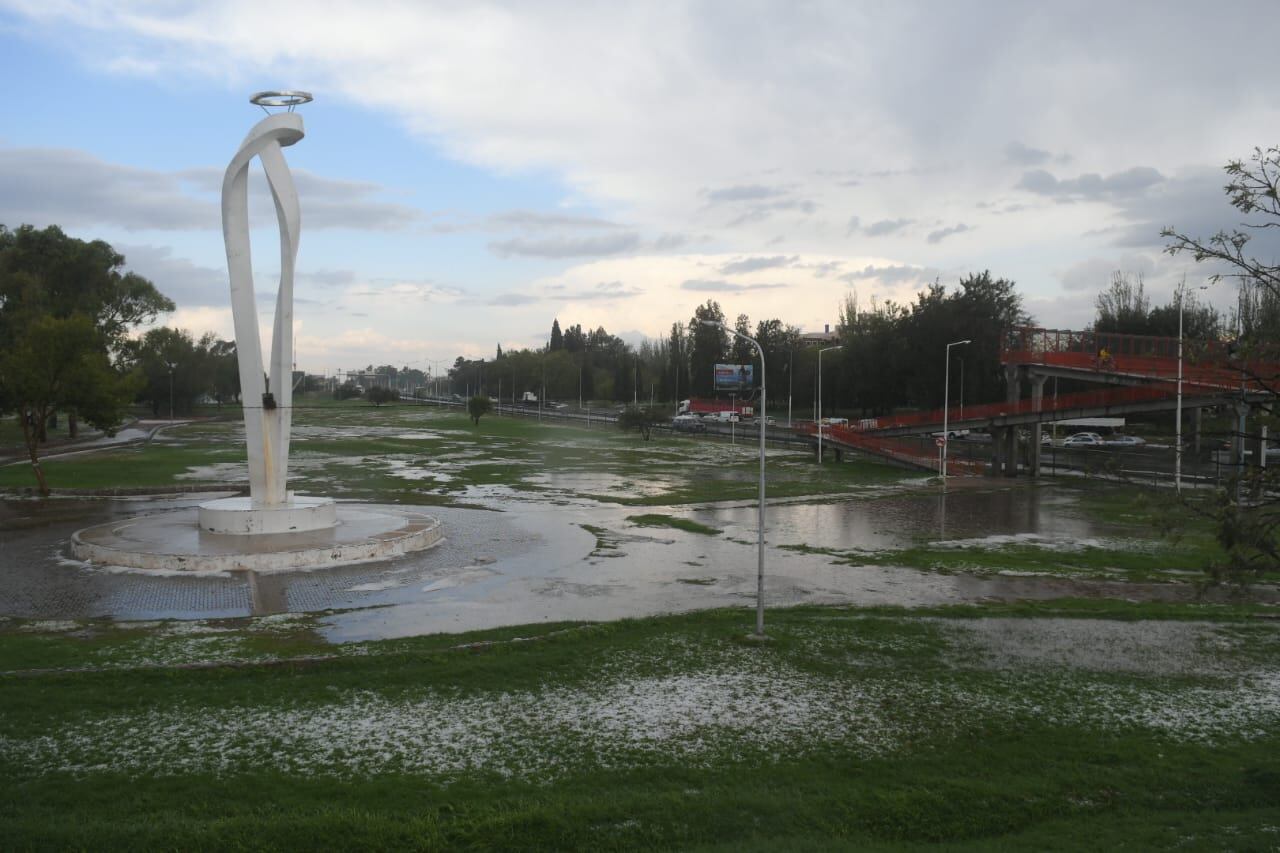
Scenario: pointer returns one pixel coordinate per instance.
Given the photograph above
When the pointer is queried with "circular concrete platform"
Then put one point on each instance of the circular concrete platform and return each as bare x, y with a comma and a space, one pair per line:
240, 516
174, 542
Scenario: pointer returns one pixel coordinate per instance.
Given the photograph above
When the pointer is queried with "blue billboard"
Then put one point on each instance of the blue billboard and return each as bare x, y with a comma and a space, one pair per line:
735, 377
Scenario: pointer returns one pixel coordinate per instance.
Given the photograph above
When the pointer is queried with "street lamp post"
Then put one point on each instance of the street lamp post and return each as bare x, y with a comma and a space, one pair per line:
791, 358
733, 420
1177, 417
946, 401
171, 365
820, 352
760, 524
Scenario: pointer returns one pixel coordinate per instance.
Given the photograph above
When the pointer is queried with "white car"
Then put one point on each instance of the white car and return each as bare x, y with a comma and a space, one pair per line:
1083, 439
1125, 441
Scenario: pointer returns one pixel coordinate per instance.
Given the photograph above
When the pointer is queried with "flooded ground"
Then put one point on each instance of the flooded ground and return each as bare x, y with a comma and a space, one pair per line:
524, 562
530, 541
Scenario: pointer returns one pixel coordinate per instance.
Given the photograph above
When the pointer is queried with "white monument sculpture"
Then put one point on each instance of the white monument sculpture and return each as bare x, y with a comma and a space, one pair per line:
267, 396
272, 529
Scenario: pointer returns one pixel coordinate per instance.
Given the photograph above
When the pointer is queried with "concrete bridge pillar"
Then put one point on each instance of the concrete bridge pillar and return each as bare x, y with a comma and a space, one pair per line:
1013, 385
1004, 452
1037, 404
1008, 436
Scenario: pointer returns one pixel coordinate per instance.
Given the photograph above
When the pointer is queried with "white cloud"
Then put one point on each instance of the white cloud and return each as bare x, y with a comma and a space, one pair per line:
682, 126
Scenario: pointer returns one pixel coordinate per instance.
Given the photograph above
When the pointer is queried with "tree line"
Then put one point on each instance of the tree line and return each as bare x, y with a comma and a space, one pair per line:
67, 308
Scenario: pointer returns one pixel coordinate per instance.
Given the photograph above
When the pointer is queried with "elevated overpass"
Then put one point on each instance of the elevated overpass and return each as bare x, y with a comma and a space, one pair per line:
1139, 374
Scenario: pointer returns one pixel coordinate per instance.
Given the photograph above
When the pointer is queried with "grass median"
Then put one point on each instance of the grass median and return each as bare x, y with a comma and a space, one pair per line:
1065, 726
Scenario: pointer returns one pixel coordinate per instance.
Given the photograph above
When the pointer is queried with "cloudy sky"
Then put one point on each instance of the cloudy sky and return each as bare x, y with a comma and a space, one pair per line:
472, 171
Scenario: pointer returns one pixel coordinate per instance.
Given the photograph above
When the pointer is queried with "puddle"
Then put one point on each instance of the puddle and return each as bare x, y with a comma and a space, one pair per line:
893, 522
604, 485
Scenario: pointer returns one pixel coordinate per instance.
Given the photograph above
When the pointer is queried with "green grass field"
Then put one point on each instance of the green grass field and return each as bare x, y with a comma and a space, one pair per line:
421, 455
875, 729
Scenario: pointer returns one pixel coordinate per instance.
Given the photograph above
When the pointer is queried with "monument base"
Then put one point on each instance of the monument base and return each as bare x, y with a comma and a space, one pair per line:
241, 517
172, 542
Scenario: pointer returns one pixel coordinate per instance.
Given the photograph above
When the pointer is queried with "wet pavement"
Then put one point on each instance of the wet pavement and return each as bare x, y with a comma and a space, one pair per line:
526, 560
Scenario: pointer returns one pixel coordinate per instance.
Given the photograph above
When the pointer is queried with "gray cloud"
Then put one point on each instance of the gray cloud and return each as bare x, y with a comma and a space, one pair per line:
75, 189
753, 264
943, 233
1091, 186
1094, 274
760, 212
326, 202
898, 274
886, 226
186, 283
749, 192
328, 278
603, 291
524, 220
1023, 155
716, 286
567, 247
822, 269
669, 242
511, 299
1193, 203
532, 219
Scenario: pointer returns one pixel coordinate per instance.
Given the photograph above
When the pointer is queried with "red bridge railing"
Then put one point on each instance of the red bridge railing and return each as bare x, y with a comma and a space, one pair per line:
903, 450
1206, 362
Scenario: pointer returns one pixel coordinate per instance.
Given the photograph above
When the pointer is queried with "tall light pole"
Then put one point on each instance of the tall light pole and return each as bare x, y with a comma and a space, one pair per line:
946, 401
760, 524
1177, 417
171, 366
820, 352
791, 358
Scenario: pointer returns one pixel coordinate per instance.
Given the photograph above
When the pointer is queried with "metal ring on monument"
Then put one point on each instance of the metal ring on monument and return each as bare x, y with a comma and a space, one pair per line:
286, 98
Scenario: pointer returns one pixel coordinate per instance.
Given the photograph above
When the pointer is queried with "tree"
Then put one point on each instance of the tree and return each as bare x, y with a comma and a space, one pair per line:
477, 407
56, 363
45, 273
640, 418
224, 370
743, 351
1250, 532
677, 361
175, 370
707, 347
557, 338
1252, 188
379, 395
347, 390
1123, 308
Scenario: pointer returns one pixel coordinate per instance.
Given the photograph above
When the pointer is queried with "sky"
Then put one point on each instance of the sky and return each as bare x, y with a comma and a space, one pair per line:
473, 171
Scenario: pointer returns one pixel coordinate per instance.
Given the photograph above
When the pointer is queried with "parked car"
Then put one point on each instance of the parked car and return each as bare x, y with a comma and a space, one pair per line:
1083, 439
1125, 441
688, 423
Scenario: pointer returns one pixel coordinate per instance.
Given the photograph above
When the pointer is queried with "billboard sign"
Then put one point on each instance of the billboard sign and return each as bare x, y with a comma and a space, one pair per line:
734, 377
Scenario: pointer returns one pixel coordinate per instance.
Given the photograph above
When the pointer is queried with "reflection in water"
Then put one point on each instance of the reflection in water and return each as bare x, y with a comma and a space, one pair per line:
900, 522
267, 593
